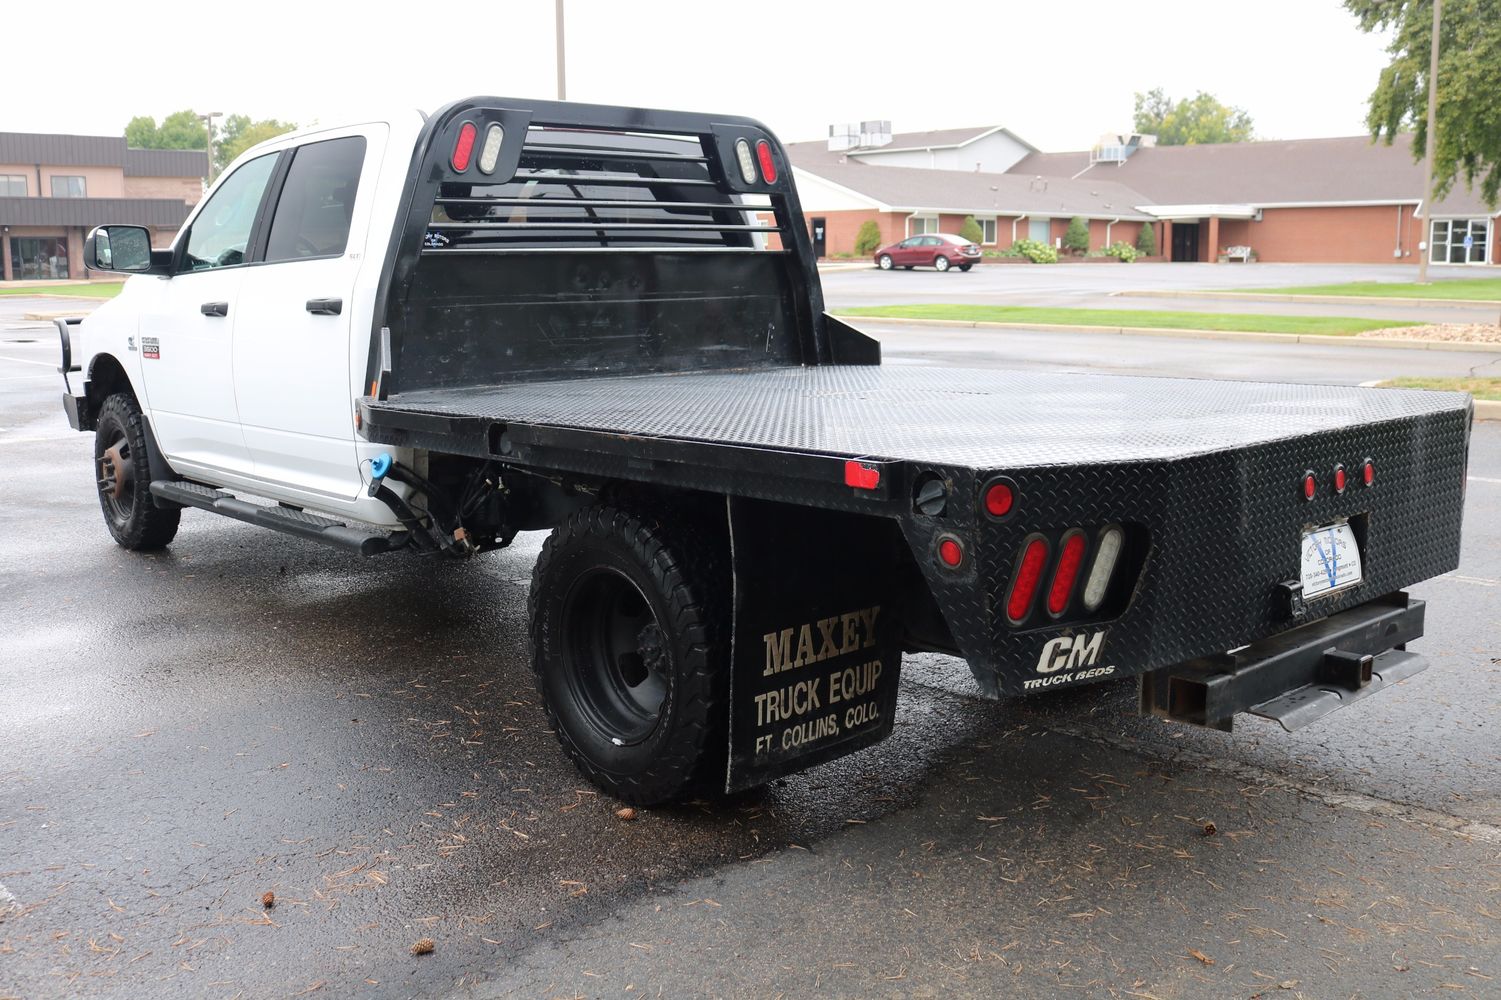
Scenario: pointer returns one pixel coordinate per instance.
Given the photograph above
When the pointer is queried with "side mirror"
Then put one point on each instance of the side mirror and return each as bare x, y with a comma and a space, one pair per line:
126, 249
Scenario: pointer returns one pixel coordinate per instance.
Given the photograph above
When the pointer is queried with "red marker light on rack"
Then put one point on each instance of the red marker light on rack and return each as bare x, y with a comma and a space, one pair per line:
768, 165
463, 147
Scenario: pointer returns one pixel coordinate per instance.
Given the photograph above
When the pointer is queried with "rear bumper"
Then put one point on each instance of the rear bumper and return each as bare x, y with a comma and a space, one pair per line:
1298, 676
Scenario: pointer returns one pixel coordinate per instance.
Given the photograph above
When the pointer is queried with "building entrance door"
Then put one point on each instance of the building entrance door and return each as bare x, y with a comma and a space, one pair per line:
34, 257
1185, 242
820, 236
1459, 241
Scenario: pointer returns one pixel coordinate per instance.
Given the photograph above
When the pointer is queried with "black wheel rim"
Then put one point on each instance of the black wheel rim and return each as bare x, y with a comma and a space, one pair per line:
616, 656
114, 475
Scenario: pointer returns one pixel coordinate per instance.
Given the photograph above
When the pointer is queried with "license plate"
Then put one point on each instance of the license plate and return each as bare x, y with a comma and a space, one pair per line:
1331, 559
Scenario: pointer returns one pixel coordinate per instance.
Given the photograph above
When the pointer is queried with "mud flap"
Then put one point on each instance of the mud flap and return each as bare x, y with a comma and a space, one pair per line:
816, 655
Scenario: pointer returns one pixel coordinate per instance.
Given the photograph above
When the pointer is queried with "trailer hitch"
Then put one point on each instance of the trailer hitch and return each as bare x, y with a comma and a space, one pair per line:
1297, 676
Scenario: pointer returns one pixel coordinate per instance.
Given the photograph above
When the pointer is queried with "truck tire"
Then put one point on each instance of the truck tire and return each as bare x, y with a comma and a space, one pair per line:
122, 472
630, 649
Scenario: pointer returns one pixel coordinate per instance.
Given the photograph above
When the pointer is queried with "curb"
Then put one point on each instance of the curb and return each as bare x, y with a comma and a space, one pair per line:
49, 316
1340, 300
1487, 409
1157, 331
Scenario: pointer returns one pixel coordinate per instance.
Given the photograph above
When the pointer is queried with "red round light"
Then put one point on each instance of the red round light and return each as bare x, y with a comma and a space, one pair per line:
463, 147
998, 500
1069, 561
768, 165
950, 552
1339, 479
1310, 485
1028, 576
1368, 472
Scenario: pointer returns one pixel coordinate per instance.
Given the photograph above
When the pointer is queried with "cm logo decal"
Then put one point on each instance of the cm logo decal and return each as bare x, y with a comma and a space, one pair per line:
1070, 652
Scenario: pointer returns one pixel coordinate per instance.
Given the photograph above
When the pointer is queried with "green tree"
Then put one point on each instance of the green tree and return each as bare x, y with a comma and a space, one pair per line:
1077, 236
179, 130
970, 230
1469, 116
1190, 121
240, 133
868, 239
1146, 240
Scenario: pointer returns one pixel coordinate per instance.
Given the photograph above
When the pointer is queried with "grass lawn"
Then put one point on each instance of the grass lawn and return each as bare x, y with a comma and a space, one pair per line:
1463, 289
1331, 325
93, 290
1480, 388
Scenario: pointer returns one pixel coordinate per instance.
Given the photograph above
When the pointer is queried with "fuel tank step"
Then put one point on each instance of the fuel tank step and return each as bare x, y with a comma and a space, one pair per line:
365, 541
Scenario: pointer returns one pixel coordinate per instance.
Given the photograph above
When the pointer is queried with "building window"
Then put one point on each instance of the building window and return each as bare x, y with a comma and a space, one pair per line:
38, 257
987, 230
12, 185
919, 224
64, 186
1459, 241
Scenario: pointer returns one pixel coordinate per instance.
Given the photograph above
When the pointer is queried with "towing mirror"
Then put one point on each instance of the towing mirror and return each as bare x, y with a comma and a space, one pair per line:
126, 249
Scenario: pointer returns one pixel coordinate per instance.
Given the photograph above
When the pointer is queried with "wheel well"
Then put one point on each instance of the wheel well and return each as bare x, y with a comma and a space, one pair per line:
107, 377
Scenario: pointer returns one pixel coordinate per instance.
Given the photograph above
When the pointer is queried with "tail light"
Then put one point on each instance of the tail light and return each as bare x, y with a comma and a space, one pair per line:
1066, 573
463, 147
1000, 497
1368, 472
768, 165
1107, 552
1027, 579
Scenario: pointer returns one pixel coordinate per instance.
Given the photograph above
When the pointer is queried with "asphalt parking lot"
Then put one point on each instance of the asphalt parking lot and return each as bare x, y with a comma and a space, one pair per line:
181, 733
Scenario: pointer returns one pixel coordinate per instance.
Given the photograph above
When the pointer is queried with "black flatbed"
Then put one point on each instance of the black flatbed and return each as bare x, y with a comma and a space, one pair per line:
981, 418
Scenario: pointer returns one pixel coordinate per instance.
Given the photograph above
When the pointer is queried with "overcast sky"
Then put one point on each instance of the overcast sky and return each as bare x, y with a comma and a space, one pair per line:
1056, 73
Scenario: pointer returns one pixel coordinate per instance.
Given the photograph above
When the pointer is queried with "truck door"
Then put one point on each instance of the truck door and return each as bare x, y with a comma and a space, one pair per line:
187, 324
292, 338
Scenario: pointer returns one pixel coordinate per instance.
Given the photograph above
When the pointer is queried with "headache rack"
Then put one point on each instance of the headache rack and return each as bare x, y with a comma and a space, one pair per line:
544, 240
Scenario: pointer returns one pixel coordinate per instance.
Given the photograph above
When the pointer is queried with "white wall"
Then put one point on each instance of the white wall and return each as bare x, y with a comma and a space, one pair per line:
994, 154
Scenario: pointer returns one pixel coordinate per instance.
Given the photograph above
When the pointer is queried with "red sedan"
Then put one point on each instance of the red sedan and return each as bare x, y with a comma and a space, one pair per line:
938, 250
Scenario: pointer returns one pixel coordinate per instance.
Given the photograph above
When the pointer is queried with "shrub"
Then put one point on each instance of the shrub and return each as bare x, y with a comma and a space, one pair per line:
971, 230
1121, 251
1037, 253
1077, 237
868, 239
1146, 241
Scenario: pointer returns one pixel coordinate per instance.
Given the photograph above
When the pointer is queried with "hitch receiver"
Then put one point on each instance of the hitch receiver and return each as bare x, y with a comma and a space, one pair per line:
1297, 676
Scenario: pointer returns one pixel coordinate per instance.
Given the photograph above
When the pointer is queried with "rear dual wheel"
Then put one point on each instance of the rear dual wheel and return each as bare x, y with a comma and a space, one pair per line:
631, 655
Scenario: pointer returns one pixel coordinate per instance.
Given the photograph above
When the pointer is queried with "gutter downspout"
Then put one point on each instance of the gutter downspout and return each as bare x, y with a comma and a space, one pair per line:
1019, 218
1108, 226
1398, 252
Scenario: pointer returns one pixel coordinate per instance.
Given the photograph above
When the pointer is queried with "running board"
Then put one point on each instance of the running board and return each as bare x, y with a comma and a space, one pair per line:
366, 542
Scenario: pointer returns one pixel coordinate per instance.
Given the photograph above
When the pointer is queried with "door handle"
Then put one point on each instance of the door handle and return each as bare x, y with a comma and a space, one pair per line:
325, 307
214, 309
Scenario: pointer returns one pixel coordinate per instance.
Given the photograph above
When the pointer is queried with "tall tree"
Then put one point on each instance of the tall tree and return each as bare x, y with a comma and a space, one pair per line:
179, 130
240, 133
1191, 120
1469, 116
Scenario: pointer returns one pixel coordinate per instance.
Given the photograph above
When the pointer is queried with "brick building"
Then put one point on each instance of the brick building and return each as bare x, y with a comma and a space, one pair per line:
55, 188
1344, 200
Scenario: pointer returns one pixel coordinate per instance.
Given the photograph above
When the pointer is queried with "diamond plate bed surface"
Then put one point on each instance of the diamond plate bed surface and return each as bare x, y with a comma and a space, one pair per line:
975, 417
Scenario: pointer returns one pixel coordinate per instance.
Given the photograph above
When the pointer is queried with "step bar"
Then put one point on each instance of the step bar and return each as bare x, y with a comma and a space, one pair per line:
1298, 676
288, 520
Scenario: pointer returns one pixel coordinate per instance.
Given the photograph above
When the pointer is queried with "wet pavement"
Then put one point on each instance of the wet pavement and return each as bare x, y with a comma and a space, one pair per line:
247, 713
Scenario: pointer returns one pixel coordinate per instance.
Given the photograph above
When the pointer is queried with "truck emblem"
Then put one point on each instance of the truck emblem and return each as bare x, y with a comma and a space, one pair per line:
1070, 652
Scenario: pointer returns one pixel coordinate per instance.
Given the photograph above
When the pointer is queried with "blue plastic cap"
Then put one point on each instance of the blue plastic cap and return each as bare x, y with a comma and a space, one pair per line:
380, 465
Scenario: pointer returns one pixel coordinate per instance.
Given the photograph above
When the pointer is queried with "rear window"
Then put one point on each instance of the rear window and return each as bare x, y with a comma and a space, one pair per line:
317, 201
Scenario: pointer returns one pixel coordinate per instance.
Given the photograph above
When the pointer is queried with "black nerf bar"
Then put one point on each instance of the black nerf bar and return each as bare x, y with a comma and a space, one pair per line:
1297, 676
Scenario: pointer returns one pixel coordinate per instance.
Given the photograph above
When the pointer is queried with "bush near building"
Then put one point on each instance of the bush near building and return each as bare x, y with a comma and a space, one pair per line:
868, 239
1077, 237
1146, 241
971, 231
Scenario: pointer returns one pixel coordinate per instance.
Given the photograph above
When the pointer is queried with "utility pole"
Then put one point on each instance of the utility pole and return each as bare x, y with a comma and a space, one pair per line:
1432, 144
558, 33
208, 121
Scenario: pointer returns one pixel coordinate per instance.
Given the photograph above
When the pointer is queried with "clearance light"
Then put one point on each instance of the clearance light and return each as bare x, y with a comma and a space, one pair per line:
768, 165
463, 147
1066, 574
999, 498
951, 553
1106, 553
489, 153
1339, 479
861, 476
747, 162
1310, 484
1368, 472
1028, 576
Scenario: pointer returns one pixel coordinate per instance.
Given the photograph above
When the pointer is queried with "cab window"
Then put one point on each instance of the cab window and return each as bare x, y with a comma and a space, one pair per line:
220, 234
317, 201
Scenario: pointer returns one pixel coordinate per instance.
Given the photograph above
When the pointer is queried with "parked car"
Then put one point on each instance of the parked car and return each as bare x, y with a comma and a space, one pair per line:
938, 250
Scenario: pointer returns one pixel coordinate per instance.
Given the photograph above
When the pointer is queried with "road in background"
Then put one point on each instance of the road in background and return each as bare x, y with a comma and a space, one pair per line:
246, 712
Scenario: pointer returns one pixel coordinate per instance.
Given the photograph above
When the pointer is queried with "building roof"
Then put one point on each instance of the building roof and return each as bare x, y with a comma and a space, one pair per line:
86, 212
1344, 170
945, 138
964, 191
100, 151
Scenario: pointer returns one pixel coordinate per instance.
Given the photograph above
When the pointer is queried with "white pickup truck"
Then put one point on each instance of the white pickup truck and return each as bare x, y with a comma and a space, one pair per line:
428, 334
